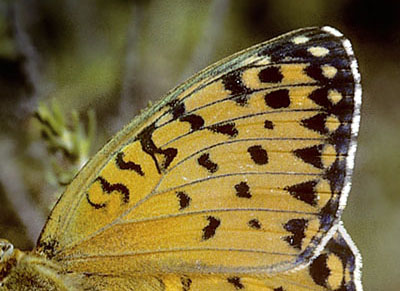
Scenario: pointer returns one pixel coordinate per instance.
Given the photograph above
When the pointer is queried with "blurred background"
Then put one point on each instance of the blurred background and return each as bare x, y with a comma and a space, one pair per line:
116, 56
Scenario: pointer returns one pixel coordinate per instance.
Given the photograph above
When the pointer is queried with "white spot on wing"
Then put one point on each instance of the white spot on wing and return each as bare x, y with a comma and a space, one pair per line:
334, 96
300, 39
318, 51
329, 71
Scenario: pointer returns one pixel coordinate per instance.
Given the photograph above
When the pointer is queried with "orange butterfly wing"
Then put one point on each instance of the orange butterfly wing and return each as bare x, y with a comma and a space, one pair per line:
243, 169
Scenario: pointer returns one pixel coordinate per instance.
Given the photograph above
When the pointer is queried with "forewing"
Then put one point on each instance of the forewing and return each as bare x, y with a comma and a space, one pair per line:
243, 169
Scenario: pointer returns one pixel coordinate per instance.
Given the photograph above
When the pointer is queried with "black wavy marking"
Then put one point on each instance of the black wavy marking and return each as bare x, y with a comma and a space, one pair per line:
95, 205
108, 188
128, 165
178, 112
148, 146
196, 121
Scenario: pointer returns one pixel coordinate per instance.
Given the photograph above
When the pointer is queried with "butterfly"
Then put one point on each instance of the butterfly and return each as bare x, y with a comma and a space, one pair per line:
235, 180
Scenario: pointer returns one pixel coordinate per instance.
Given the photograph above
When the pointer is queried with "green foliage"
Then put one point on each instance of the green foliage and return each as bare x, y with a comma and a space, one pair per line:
69, 146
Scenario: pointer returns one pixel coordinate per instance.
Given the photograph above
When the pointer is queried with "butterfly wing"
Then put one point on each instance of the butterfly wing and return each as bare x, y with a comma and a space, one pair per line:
243, 169
338, 267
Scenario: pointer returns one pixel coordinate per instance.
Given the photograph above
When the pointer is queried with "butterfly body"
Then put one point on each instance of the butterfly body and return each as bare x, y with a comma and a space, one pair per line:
235, 180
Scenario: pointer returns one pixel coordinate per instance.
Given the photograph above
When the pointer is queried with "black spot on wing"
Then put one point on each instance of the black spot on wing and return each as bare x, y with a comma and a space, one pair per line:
235, 281
297, 227
304, 191
279, 289
268, 124
205, 161
343, 110
209, 230
315, 72
278, 99
178, 108
127, 165
254, 223
343, 75
225, 128
320, 97
242, 190
311, 155
316, 123
270, 75
319, 270
258, 154
196, 121
233, 82
184, 200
